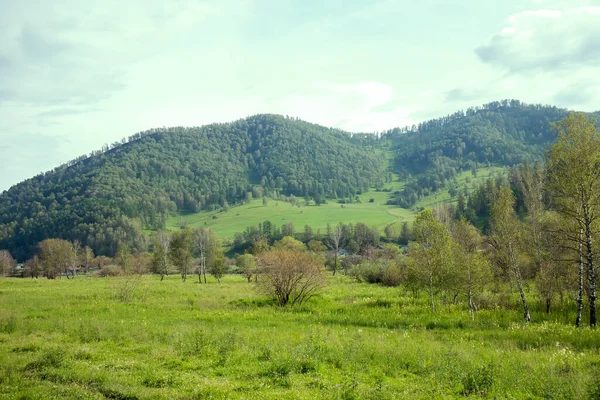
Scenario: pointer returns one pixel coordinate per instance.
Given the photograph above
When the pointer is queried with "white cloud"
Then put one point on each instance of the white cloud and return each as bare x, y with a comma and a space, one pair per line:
360, 107
543, 40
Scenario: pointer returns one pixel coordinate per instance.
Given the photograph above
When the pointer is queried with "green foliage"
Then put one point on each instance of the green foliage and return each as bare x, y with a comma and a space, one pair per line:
114, 193
502, 133
180, 251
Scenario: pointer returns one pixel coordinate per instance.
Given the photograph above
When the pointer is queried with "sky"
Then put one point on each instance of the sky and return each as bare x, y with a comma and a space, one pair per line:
75, 75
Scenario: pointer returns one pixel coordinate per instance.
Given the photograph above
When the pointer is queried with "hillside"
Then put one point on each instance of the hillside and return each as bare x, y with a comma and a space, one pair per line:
504, 133
106, 199
149, 181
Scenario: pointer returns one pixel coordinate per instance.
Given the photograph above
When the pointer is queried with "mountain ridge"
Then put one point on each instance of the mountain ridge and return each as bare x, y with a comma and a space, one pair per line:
107, 198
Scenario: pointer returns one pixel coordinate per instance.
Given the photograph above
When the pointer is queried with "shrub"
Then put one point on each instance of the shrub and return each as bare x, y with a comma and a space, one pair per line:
392, 276
290, 276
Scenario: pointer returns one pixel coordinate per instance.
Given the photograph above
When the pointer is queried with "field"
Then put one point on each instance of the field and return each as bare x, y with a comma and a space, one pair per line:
376, 213
173, 340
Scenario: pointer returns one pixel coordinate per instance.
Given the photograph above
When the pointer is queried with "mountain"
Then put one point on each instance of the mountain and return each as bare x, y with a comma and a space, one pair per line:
105, 200
505, 133
108, 198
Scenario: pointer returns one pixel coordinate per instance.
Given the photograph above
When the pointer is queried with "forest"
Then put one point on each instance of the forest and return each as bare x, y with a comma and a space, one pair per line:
111, 196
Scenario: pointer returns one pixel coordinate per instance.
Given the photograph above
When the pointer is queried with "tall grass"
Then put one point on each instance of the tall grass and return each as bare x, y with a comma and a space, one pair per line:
76, 339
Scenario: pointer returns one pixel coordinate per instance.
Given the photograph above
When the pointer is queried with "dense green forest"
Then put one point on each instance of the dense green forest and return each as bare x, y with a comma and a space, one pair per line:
508, 132
108, 197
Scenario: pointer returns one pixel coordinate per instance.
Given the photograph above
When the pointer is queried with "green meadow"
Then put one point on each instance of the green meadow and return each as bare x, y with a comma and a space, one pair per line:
76, 339
376, 213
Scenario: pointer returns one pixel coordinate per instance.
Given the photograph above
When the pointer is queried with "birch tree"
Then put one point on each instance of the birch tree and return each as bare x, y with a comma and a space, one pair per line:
432, 253
335, 242
574, 180
506, 237
160, 257
472, 267
206, 244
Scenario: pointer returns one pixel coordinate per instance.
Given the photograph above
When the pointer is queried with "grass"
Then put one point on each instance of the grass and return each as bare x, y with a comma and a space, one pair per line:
174, 340
236, 219
376, 213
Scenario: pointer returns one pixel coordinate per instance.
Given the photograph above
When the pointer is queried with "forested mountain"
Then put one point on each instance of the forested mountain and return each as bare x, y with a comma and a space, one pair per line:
505, 132
106, 199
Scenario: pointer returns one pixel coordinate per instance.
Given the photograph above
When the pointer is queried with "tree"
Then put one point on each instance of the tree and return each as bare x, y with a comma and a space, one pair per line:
574, 179
216, 264
316, 246
247, 263
287, 229
6, 262
288, 242
140, 263
290, 276
55, 256
391, 232
406, 234
86, 257
33, 266
207, 244
123, 259
180, 252
160, 256
308, 233
364, 236
506, 237
432, 253
74, 260
471, 265
335, 241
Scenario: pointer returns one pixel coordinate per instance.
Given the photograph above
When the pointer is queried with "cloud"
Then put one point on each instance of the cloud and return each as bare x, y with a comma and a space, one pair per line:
464, 94
71, 52
358, 107
578, 94
545, 40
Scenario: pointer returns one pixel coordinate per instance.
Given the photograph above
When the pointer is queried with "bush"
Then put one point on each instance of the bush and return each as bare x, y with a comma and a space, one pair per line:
370, 272
290, 276
392, 276
110, 270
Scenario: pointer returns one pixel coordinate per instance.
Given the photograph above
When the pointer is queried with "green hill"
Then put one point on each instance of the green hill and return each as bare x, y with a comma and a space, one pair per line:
502, 133
213, 175
109, 197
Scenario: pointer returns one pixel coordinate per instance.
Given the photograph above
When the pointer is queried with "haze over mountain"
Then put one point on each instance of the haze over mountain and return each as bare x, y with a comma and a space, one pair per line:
75, 75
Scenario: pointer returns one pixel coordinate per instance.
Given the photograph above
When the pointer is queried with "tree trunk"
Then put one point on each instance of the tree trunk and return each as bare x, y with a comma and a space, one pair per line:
580, 280
335, 262
590, 267
471, 308
431, 289
518, 278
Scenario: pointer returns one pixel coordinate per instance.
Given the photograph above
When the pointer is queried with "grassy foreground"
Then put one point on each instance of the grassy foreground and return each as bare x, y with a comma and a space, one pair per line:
174, 340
